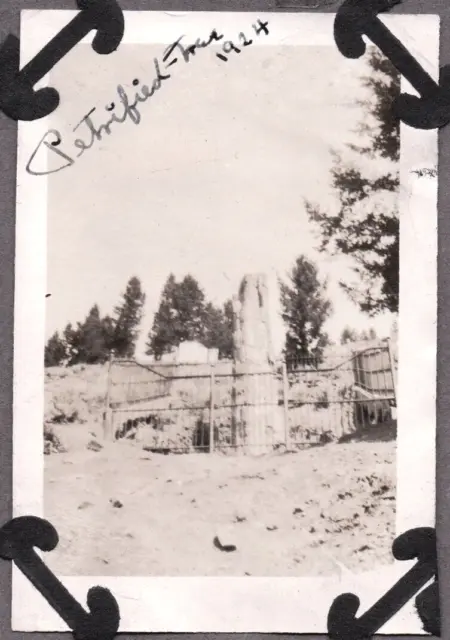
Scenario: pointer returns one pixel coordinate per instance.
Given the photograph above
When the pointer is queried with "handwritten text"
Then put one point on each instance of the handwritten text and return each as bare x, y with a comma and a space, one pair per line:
126, 106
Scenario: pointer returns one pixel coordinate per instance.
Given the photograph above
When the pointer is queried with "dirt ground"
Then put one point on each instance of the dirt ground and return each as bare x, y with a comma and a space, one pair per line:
124, 511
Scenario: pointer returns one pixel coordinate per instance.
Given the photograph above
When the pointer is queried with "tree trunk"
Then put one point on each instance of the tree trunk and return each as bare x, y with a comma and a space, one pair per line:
258, 417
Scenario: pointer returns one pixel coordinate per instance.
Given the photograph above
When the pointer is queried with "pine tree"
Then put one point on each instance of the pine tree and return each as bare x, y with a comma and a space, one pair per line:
365, 227
348, 335
351, 335
189, 308
213, 326
55, 351
128, 316
371, 334
228, 343
93, 348
219, 330
108, 329
305, 308
180, 316
72, 341
162, 337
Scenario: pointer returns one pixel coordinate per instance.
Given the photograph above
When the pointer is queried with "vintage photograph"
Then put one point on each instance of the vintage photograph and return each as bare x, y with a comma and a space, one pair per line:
225, 304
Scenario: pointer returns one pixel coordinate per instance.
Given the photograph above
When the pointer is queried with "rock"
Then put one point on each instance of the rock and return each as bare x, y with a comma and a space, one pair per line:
228, 548
116, 503
239, 518
93, 445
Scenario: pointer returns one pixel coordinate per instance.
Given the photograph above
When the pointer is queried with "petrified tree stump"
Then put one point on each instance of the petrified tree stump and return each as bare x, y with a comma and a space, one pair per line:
258, 418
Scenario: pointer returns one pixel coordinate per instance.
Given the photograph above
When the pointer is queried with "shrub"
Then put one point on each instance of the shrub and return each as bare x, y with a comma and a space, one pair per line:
65, 418
52, 444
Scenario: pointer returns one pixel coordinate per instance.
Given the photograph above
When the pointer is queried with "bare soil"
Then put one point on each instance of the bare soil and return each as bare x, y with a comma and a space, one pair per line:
120, 510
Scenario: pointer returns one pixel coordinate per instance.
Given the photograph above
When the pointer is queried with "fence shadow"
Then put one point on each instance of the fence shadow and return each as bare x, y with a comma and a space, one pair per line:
386, 432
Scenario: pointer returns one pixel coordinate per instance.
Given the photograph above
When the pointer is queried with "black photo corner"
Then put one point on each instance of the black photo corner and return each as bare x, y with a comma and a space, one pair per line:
18, 539
19, 101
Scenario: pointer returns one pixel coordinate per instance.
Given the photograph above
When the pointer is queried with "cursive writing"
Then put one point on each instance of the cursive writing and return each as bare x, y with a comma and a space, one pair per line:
127, 104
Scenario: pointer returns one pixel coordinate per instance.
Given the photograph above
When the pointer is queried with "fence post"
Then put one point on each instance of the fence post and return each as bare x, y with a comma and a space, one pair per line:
107, 421
211, 411
393, 372
286, 405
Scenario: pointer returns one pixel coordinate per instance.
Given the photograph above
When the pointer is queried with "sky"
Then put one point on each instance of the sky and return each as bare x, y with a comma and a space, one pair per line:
212, 181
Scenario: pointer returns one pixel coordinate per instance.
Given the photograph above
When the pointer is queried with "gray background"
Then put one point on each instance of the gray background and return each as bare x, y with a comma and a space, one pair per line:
9, 23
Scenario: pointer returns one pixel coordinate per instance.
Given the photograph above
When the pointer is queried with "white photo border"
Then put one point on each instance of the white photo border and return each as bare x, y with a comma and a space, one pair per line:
250, 604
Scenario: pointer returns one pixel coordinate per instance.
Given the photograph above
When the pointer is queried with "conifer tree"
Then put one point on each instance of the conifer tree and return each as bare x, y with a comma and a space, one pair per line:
180, 316
305, 309
108, 329
163, 335
348, 335
93, 349
365, 177
55, 351
219, 329
351, 335
72, 341
228, 317
127, 317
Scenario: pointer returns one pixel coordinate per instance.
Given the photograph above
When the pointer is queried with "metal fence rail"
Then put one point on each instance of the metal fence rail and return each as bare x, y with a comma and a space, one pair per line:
181, 408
